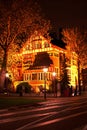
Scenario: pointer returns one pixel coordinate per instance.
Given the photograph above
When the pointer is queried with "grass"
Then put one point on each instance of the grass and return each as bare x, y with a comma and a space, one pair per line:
6, 102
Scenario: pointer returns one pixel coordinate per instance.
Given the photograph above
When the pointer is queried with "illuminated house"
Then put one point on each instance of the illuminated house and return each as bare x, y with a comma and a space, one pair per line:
38, 53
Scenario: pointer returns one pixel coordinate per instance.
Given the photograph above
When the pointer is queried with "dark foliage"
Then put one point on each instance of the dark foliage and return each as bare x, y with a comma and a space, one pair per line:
65, 81
57, 41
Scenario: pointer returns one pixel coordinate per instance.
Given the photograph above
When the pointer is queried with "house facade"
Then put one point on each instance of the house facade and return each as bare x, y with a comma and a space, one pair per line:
39, 53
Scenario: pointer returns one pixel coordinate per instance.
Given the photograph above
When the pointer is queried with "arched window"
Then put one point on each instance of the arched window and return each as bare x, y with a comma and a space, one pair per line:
46, 45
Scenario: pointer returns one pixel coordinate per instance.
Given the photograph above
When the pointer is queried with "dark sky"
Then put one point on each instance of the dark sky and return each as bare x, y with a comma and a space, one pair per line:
65, 12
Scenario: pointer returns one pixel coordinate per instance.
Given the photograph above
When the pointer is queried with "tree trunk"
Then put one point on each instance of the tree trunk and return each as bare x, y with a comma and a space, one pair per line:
4, 63
3, 70
79, 85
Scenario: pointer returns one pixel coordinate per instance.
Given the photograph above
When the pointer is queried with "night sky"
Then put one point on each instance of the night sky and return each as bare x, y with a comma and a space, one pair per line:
65, 13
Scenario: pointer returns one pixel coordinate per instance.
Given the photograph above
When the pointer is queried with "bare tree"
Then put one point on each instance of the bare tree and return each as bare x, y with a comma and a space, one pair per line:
76, 40
18, 20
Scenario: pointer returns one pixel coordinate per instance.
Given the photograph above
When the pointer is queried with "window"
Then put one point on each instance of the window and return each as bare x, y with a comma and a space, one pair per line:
37, 46
46, 45
38, 76
41, 76
55, 54
34, 76
50, 54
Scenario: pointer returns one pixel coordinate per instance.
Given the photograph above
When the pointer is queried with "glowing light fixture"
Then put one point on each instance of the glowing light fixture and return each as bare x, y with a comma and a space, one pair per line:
45, 77
55, 90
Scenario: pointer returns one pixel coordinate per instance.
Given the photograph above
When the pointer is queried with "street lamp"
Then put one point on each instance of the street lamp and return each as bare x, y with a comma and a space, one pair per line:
45, 71
6, 81
7, 75
54, 85
54, 74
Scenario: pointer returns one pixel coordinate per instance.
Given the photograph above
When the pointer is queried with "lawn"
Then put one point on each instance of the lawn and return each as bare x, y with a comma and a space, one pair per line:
6, 102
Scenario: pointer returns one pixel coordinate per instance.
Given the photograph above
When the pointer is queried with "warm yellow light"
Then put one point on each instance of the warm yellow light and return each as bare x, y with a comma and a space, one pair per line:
54, 74
74, 76
45, 70
7, 75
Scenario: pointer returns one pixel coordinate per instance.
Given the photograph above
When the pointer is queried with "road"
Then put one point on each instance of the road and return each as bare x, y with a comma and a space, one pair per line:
67, 113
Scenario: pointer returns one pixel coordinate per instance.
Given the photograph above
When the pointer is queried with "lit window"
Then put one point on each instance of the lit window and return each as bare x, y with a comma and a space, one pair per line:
34, 76
50, 54
55, 54
38, 76
46, 45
